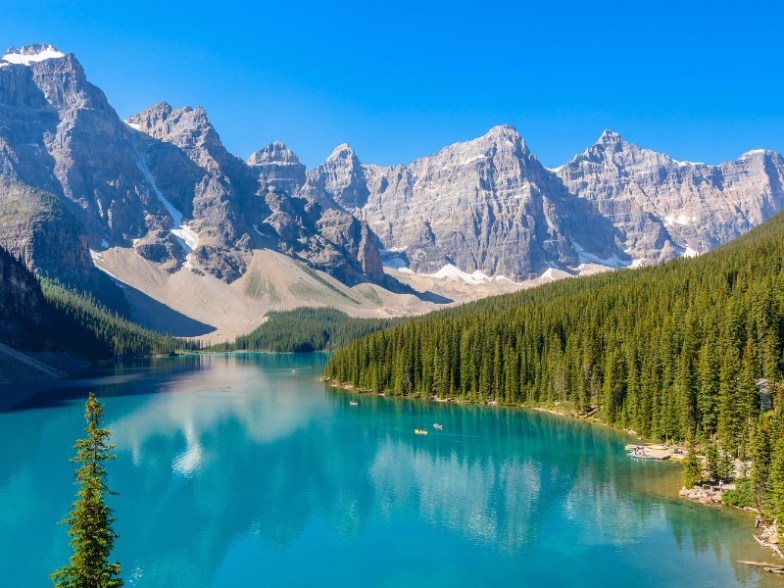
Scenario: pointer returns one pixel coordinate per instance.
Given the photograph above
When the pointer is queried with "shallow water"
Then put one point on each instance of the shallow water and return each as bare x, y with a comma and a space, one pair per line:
244, 470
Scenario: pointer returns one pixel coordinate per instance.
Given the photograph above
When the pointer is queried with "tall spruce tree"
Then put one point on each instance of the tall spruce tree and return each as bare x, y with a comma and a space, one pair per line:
692, 471
90, 519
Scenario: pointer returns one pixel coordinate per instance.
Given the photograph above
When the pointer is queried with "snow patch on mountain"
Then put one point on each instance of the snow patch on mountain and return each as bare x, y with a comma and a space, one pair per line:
687, 163
585, 258
451, 272
31, 54
680, 219
185, 236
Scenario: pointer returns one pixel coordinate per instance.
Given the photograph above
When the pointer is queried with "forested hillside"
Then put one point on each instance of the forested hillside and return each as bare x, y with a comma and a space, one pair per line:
691, 349
37, 316
88, 328
305, 329
660, 350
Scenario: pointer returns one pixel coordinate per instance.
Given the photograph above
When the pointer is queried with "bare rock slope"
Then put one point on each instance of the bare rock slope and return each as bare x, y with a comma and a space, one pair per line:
193, 233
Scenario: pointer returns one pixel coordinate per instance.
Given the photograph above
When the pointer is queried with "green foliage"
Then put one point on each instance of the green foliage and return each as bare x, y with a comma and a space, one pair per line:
659, 350
742, 496
305, 330
663, 350
39, 314
692, 472
713, 463
90, 519
87, 328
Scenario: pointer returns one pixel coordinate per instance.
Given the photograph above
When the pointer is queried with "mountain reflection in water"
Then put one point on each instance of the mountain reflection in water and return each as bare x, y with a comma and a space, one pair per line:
244, 470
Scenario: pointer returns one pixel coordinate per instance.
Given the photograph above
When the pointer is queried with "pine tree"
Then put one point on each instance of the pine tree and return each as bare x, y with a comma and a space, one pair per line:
760, 466
712, 457
90, 520
692, 472
776, 484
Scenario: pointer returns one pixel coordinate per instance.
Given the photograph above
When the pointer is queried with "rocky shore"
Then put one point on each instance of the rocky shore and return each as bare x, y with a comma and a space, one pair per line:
706, 494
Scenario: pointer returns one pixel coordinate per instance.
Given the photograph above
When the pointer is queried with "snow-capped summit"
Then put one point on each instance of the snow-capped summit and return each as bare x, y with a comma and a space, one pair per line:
31, 54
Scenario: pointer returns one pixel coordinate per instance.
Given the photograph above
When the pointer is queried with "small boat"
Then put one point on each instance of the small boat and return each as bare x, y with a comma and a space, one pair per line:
438, 427
353, 403
677, 456
420, 432
658, 446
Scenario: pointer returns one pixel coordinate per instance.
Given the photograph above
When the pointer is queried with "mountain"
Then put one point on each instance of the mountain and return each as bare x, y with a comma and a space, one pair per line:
162, 182
686, 346
158, 193
155, 217
665, 208
279, 167
486, 206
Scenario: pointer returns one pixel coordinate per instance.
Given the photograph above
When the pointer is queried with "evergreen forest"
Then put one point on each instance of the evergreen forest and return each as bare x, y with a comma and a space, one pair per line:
687, 350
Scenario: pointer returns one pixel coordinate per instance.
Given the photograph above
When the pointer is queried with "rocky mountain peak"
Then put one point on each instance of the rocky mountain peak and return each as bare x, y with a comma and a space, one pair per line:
343, 153
275, 152
756, 153
501, 140
610, 137
31, 54
188, 128
500, 133
609, 147
278, 167
163, 121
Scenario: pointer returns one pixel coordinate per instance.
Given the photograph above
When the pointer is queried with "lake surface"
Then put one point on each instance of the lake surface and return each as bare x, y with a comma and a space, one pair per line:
245, 470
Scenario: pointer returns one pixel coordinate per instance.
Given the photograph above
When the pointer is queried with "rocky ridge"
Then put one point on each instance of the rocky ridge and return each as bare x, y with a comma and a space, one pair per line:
77, 182
487, 207
162, 182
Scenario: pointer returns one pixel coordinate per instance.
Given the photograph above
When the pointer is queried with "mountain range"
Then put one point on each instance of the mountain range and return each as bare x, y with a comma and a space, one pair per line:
196, 240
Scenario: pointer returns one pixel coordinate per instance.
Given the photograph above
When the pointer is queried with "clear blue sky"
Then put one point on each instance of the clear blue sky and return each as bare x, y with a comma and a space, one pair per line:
402, 79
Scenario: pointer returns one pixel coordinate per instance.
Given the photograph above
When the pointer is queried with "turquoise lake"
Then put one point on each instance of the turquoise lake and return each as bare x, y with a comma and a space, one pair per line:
246, 470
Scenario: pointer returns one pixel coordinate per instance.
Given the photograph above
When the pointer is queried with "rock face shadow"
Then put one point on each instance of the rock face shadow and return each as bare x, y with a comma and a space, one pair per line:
394, 285
154, 315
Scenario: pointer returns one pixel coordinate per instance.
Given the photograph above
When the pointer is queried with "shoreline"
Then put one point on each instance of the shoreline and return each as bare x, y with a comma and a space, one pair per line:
766, 535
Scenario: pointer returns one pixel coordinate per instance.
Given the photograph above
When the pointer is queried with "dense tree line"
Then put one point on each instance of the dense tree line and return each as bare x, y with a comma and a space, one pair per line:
78, 323
305, 330
39, 314
666, 351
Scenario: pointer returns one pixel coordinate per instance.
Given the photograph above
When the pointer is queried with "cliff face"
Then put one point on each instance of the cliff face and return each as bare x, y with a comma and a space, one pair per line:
36, 228
665, 208
278, 167
161, 183
485, 205
488, 205
76, 181
60, 134
22, 305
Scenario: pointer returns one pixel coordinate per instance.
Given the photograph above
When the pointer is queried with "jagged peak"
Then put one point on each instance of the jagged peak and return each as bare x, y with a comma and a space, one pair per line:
500, 134
503, 130
162, 106
30, 54
610, 136
275, 152
162, 111
342, 152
